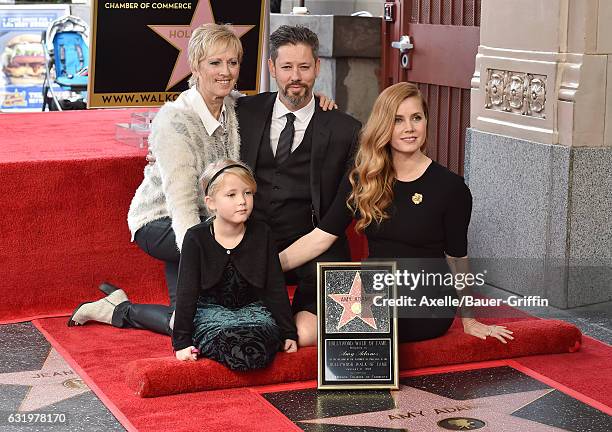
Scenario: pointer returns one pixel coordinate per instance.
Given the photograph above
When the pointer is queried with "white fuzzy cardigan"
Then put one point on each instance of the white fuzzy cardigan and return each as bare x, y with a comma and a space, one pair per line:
182, 149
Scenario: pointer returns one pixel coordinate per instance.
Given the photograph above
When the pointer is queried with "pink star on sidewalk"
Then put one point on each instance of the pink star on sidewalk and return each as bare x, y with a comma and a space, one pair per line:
54, 382
355, 304
178, 36
419, 410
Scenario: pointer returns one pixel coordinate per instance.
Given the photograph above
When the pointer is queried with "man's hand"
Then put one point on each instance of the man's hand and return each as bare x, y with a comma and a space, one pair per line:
189, 353
290, 346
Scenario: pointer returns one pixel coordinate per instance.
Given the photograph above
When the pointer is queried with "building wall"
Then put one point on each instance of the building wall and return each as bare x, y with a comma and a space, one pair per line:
540, 150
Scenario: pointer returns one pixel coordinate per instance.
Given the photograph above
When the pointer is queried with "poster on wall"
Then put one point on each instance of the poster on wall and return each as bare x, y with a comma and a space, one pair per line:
139, 48
22, 56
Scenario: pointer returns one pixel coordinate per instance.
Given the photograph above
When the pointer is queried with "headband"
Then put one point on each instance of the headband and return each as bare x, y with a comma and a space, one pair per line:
218, 173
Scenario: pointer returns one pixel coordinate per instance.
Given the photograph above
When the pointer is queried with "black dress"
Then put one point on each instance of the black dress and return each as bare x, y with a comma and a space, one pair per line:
233, 327
428, 219
232, 304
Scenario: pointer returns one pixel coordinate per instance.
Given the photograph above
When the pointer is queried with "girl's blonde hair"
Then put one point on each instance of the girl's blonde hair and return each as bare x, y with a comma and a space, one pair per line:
207, 38
215, 172
373, 176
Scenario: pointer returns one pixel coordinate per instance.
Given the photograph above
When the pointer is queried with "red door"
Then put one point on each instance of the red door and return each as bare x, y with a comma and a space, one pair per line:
445, 35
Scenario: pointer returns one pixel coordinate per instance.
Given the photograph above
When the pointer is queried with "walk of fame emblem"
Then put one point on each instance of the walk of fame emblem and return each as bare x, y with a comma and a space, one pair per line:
357, 327
461, 423
75, 383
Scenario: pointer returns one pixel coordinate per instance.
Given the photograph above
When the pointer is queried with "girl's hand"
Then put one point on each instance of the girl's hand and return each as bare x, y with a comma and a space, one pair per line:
189, 353
290, 346
326, 103
482, 331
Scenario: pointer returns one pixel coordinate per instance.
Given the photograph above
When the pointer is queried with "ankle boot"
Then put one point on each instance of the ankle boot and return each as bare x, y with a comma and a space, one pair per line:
99, 311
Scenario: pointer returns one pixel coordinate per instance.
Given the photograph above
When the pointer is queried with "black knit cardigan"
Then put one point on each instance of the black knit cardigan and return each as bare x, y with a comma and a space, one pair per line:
203, 261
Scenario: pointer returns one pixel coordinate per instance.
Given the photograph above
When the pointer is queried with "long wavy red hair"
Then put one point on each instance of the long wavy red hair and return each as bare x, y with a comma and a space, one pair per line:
373, 176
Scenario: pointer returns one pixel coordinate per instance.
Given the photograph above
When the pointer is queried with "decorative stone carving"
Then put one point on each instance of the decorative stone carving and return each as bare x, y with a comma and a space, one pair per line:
516, 92
495, 90
537, 95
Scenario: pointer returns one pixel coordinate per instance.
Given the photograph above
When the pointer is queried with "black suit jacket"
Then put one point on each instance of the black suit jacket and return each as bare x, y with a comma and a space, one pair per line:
335, 138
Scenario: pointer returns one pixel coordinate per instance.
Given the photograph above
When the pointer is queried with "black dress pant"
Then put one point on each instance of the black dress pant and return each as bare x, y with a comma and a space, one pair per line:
158, 240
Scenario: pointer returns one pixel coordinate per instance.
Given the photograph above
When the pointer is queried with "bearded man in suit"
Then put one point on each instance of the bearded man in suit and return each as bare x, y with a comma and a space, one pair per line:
299, 154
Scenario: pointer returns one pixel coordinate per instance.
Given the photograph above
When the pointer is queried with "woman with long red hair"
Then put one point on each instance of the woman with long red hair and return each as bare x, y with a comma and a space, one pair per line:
410, 208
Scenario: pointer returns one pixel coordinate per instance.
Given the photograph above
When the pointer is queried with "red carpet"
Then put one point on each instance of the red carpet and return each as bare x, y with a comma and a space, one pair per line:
152, 377
66, 188
101, 354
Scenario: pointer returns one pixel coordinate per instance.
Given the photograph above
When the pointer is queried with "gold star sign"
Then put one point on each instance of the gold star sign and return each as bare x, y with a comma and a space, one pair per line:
178, 36
355, 304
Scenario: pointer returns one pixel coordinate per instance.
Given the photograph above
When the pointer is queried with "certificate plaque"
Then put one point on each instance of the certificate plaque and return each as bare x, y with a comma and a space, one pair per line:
357, 329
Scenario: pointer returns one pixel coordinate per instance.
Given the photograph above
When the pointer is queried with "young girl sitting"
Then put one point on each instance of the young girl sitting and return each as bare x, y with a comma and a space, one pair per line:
232, 304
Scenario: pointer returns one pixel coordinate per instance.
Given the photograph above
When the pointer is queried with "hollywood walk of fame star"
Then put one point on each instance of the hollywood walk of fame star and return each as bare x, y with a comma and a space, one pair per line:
419, 410
54, 382
355, 304
178, 36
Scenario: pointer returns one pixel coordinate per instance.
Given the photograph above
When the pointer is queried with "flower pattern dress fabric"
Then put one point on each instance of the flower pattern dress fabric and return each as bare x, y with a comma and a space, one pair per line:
233, 327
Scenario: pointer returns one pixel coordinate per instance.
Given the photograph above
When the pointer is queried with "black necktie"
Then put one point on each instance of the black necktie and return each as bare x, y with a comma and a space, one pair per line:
285, 140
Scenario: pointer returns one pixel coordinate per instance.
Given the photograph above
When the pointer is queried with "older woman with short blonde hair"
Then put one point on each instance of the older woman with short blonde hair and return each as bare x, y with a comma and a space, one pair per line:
199, 127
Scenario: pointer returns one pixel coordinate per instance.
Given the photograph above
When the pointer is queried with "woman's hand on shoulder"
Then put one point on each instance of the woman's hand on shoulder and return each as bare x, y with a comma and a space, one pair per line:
150, 157
482, 331
189, 353
290, 346
326, 103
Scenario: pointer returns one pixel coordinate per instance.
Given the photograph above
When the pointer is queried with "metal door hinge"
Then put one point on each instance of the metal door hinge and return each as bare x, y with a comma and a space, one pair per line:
389, 13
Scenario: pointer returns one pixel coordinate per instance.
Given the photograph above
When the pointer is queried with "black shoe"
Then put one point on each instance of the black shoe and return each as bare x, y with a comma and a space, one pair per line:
107, 288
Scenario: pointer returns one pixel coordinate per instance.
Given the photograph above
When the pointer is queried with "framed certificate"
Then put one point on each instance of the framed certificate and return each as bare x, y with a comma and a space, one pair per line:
357, 329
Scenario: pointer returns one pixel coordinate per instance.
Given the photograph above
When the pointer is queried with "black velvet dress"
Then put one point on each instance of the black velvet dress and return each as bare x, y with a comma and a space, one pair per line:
233, 327
232, 304
429, 219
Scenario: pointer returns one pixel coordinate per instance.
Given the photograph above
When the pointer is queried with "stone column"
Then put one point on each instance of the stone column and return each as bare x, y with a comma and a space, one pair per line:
539, 151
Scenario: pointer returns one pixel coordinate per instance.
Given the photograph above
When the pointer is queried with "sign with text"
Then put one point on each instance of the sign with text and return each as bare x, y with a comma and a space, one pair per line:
357, 334
139, 48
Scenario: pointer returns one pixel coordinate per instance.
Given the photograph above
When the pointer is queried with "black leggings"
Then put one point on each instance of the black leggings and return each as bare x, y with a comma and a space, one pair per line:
158, 240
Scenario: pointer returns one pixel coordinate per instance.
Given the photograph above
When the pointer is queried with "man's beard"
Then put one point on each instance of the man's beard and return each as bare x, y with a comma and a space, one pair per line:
296, 100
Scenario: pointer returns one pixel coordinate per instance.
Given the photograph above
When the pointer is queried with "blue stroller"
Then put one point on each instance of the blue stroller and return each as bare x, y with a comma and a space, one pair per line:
66, 46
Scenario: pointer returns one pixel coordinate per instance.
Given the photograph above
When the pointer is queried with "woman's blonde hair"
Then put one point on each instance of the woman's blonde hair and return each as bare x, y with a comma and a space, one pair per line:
215, 172
205, 39
373, 176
